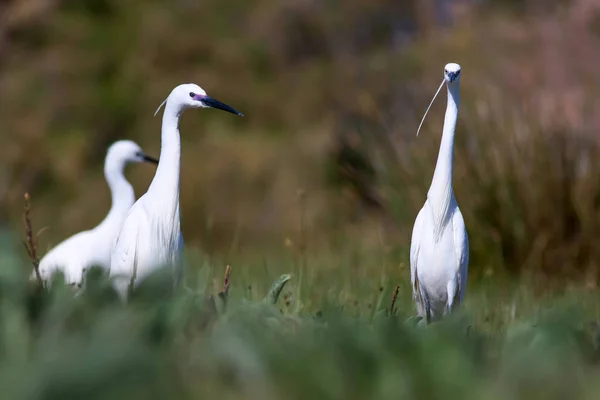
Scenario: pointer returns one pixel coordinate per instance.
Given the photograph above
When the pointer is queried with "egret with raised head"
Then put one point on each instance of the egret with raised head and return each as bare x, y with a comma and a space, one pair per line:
439, 252
91, 248
151, 236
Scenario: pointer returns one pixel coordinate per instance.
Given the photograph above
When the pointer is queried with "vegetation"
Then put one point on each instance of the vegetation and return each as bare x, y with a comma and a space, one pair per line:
332, 95
309, 199
301, 338
314, 332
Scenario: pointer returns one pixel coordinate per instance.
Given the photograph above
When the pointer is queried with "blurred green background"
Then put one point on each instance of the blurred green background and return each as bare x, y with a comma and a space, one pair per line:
321, 179
332, 92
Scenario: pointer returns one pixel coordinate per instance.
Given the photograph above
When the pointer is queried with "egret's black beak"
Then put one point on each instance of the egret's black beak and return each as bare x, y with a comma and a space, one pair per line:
213, 103
452, 76
149, 159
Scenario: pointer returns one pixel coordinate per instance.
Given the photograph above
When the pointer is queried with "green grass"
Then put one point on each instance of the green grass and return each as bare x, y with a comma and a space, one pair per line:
329, 334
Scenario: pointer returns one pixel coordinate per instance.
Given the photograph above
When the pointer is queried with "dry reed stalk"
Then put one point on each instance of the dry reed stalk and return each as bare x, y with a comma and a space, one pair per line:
394, 298
30, 241
226, 280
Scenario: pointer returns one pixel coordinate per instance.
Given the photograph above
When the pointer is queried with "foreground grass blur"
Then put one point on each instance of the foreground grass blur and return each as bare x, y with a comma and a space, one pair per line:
326, 335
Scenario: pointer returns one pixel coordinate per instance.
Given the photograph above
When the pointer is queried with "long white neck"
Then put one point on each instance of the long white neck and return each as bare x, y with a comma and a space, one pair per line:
122, 194
441, 195
165, 185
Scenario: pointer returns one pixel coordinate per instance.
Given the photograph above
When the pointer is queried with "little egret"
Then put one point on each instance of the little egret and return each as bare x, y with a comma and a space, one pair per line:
150, 237
439, 252
92, 248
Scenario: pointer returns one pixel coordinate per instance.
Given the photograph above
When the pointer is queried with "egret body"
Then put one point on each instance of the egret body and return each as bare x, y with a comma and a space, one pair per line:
93, 247
150, 237
439, 253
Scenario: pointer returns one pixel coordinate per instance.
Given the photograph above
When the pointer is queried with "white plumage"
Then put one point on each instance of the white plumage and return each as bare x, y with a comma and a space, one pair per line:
439, 253
150, 237
91, 248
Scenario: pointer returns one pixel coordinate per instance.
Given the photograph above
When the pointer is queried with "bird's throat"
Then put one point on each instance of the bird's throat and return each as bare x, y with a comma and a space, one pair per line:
165, 185
441, 194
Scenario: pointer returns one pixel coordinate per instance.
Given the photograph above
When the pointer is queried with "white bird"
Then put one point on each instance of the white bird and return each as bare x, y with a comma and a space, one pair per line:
150, 237
439, 252
91, 248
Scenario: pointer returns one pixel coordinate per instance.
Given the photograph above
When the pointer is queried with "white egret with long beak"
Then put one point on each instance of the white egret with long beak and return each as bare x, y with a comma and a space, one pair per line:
75, 255
439, 252
151, 236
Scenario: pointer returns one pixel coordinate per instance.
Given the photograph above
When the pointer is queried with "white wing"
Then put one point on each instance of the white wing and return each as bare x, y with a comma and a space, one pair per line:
415, 244
461, 249
124, 257
145, 244
70, 256
179, 262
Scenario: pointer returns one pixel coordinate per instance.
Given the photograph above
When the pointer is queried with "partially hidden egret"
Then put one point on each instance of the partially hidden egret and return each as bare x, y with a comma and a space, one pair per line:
439, 252
150, 237
91, 248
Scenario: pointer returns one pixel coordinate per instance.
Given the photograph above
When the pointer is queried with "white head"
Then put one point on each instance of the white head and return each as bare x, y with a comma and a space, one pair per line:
127, 151
451, 78
452, 73
190, 95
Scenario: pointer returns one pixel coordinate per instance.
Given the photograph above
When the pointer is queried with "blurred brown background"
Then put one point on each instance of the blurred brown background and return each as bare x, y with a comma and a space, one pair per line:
333, 92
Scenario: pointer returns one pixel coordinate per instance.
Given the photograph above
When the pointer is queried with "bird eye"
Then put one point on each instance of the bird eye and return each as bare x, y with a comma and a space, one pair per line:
192, 94
446, 71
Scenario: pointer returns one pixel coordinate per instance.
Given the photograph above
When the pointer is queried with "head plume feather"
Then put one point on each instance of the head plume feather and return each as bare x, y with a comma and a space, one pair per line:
159, 107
